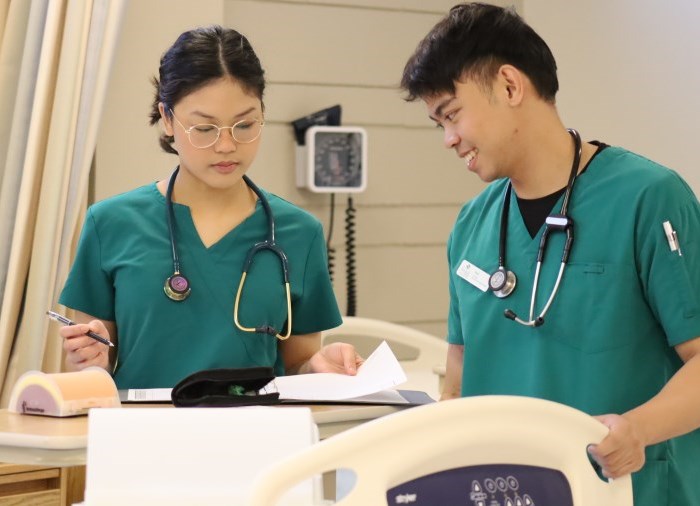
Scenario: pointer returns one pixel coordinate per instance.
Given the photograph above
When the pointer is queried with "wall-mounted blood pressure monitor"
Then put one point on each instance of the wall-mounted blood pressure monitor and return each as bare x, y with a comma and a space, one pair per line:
333, 159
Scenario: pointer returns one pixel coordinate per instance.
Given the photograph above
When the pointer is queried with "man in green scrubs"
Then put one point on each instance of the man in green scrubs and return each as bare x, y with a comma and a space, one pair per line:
619, 339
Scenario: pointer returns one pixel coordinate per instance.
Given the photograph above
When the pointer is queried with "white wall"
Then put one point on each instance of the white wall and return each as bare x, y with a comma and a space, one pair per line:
629, 73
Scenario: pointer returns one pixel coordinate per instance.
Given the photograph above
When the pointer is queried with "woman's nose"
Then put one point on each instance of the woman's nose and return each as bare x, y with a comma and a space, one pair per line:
225, 142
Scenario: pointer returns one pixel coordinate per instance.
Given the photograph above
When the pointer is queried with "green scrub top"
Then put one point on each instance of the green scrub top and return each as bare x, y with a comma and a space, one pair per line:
624, 301
124, 257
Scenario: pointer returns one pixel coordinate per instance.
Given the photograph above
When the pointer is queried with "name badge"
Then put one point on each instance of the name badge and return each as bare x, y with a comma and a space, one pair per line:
475, 276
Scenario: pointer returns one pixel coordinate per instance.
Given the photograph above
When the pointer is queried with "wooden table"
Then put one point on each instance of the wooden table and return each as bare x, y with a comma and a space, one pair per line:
62, 442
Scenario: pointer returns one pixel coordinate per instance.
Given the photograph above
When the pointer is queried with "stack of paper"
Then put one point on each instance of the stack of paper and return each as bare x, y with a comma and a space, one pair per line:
379, 373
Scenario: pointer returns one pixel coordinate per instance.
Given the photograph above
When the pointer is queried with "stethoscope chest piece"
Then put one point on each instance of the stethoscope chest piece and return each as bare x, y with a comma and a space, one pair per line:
177, 287
502, 282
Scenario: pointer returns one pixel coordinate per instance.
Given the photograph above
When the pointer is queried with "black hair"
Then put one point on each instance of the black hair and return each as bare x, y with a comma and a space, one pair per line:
199, 57
473, 41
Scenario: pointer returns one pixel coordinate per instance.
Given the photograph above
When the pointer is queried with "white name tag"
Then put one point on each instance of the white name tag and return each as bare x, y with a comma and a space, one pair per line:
473, 275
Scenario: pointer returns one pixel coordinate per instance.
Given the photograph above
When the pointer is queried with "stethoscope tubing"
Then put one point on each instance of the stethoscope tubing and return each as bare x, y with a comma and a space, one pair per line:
268, 244
561, 222
171, 221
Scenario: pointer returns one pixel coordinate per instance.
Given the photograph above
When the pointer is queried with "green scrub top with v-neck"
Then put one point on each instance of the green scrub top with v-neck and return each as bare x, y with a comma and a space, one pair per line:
624, 301
124, 257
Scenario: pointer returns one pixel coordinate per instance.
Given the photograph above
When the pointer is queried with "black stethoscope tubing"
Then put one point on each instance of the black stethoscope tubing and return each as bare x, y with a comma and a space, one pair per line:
177, 286
502, 282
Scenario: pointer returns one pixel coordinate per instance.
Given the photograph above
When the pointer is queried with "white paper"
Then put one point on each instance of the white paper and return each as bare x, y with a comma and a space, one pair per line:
149, 394
380, 371
381, 397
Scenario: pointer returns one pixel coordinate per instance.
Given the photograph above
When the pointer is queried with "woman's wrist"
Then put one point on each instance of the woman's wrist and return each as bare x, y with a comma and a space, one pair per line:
303, 368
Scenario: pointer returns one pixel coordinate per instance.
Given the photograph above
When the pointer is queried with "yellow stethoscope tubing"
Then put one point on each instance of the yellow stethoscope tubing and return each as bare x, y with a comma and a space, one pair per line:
268, 244
262, 329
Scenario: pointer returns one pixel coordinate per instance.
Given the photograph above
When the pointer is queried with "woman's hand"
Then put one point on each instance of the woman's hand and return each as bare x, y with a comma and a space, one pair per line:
83, 351
336, 357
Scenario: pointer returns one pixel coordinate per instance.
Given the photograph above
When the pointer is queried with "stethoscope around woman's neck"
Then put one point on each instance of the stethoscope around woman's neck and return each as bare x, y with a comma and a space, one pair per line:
503, 281
177, 287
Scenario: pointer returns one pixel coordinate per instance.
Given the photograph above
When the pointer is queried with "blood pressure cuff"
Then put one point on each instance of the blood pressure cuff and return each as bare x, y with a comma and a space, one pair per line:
225, 388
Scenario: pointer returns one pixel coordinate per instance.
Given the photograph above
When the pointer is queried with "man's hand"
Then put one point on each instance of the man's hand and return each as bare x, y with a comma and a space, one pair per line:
622, 450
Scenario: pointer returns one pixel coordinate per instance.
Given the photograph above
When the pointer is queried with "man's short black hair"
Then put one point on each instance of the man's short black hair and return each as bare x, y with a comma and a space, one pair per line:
473, 41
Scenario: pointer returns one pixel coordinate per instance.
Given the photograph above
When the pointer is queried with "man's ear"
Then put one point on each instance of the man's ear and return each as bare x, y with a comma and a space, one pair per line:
511, 81
166, 120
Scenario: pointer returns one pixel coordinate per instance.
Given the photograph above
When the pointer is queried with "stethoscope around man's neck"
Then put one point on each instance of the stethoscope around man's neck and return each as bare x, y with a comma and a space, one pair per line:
177, 287
502, 282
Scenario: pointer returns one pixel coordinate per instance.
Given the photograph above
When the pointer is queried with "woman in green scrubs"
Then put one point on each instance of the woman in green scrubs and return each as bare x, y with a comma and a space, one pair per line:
208, 99
620, 338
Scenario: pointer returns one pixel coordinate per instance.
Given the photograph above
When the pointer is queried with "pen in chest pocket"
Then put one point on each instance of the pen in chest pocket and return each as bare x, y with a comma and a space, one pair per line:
672, 238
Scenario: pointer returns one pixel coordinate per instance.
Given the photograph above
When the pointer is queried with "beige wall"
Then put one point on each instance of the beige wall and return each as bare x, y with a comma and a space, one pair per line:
629, 73
127, 153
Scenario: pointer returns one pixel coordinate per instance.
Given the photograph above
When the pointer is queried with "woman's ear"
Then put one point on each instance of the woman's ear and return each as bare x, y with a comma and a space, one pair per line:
166, 120
510, 80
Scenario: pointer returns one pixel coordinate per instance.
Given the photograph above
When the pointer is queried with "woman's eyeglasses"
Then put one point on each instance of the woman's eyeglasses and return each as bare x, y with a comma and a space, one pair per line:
205, 135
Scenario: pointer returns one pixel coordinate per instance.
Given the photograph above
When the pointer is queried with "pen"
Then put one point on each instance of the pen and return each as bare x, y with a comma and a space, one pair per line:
67, 321
672, 238
677, 242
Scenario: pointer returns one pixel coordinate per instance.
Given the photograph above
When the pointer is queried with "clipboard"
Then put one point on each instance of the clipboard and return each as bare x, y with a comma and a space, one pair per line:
374, 384
404, 398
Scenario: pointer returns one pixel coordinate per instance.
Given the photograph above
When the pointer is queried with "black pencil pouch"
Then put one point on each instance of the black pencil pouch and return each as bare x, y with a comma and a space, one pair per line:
225, 388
